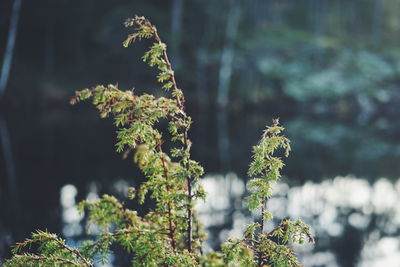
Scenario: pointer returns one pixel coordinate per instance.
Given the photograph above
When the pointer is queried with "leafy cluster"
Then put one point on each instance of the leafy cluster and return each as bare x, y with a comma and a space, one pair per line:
258, 247
170, 234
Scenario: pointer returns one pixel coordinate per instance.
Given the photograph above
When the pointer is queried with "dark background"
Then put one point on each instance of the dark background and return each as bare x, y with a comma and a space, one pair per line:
329, 69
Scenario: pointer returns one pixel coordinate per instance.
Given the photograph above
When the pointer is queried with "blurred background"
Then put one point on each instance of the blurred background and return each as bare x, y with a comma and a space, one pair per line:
329, 69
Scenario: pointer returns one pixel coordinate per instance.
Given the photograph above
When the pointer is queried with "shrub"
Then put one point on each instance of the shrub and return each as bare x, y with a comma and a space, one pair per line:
171, 234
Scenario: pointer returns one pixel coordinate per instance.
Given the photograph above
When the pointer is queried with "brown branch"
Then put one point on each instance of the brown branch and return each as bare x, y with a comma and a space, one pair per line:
262, 215
180, 101
260, 255
189, 216
181, 104
74, 251
41, 258
171, 227
189, 209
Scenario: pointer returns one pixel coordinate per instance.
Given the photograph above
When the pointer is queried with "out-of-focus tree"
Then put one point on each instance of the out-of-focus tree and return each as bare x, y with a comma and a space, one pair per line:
9, 52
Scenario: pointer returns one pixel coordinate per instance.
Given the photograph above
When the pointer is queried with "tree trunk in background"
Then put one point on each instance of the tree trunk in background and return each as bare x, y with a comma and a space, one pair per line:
8, 55
318, 10
202, 60
353, 15
224, 82
201, 75
318, 15
202, 79
10, 208
176, 28
377, 22
5, 143
202, 87
223, 140
228, 53
49, 39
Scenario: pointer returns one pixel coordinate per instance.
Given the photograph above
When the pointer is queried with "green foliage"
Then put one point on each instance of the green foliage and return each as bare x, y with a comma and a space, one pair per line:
328, 70
266, 165
260, 248
169, 235
52, 252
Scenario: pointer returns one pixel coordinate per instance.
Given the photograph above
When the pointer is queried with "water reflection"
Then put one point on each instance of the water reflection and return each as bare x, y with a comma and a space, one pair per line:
355, 223
322, 147
73, 222
70, 215
222, 213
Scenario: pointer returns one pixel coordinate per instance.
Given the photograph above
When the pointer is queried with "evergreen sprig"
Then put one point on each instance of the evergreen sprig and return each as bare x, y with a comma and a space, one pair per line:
171, 234
259, 248
52, 252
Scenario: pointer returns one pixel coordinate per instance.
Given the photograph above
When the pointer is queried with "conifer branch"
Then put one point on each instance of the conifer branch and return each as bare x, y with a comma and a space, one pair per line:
48, 241
165, 171
171, 235
124, 232
181, 103
33, 257
73, 251
182, 119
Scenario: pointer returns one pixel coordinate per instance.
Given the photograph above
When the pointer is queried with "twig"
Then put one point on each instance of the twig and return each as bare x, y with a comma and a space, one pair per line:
181, 105
74, 251
42, 258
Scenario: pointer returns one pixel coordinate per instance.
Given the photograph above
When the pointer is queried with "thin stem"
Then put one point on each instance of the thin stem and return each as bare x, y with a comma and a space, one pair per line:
171, 227
181, 104
9, 52
260, 254
42, 258
199, 237
74, 251
262, 215
189, 216
189, 186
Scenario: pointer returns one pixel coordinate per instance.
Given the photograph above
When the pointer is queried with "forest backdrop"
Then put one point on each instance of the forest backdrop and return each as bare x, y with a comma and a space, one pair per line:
329, 69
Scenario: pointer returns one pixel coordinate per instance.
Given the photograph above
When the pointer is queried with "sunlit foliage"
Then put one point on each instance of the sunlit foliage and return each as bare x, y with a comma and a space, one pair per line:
169, 235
